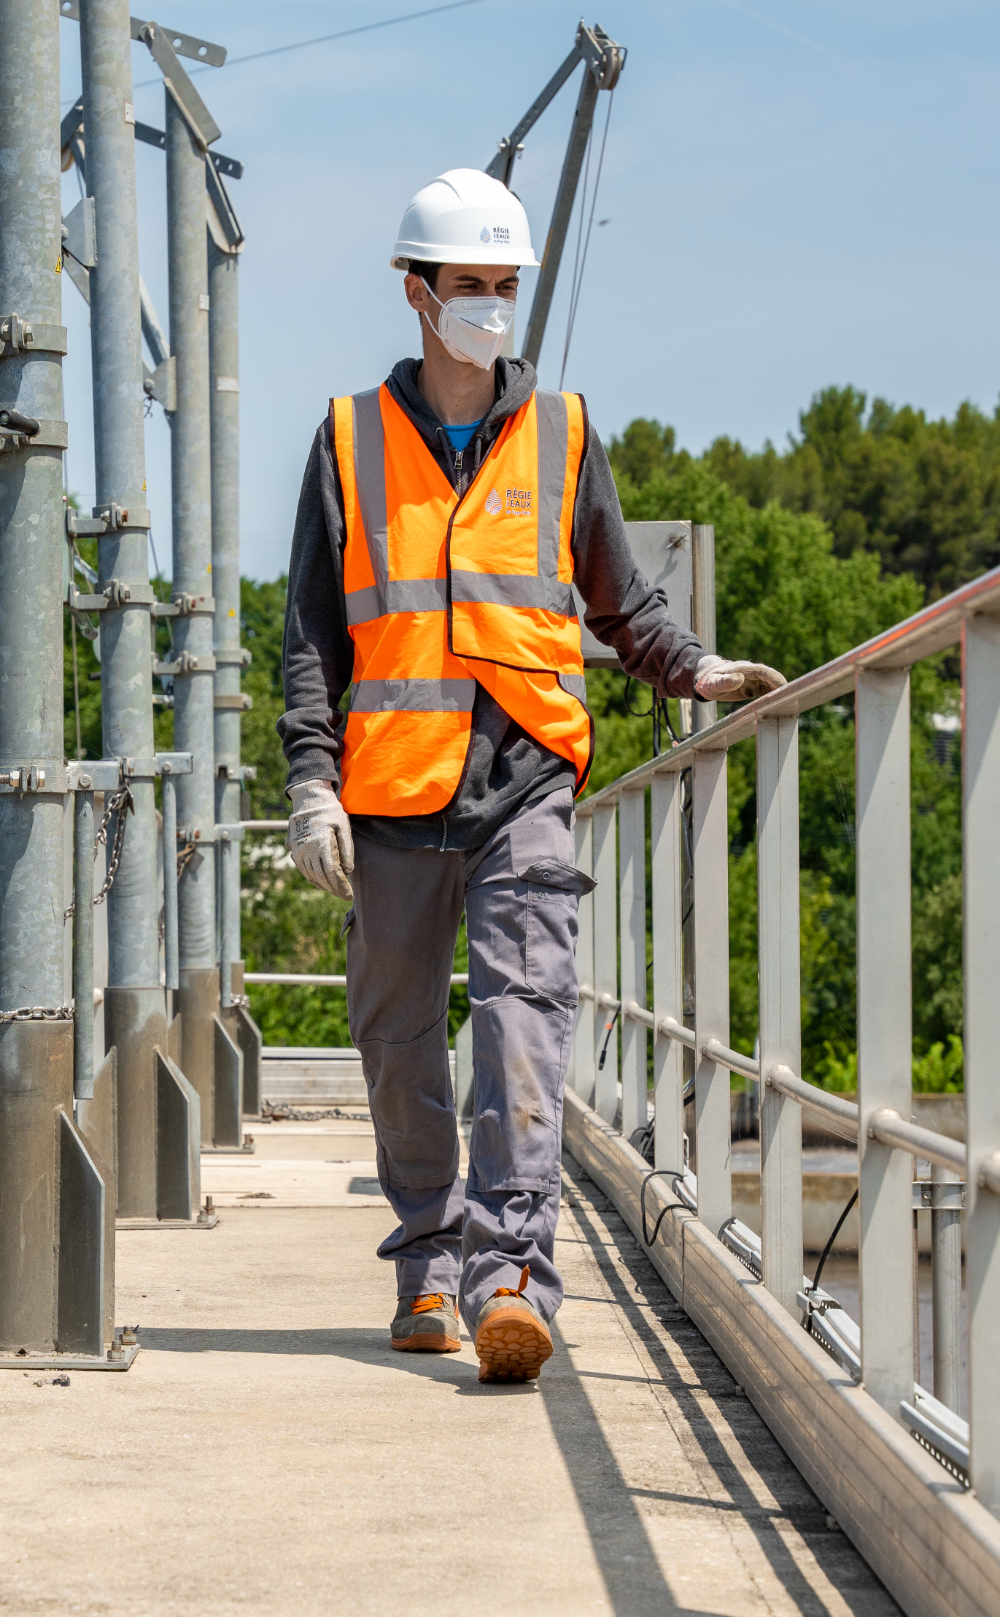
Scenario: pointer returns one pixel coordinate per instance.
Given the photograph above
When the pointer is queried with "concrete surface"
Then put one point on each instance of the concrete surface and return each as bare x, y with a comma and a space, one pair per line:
268, 1454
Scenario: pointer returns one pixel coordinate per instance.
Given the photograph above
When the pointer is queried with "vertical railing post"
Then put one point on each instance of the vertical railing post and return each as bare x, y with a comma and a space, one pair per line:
605, 958
668, 968
36, 1057
192, 583
83, 945
224, 394
703, 714
586, 1023
632, 833
134, 1019
227, 858
780, 1004
981, 876
885, 1058
170, 955
946, 1284
711, 954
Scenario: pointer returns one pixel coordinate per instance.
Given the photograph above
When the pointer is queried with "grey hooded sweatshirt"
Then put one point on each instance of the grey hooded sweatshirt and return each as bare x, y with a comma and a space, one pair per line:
505, 767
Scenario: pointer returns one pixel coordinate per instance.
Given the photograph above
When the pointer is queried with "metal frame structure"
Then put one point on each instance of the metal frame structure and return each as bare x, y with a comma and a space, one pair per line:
603, 61
878, 1357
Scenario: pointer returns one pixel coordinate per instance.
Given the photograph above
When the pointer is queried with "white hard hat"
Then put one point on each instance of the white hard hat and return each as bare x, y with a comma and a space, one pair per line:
464, 217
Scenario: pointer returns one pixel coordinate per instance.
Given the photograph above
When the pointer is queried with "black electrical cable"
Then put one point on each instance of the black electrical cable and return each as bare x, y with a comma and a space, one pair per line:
829, 1245
675, 1175
607, 1036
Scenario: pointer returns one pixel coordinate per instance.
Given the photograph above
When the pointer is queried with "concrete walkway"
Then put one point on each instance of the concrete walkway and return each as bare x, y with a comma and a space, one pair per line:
267, 1454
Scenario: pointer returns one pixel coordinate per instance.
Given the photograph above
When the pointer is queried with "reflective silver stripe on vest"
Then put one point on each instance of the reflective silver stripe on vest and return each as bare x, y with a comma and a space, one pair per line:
513, 589
369, 476
413, 695
553, 438
398, 595
575, 684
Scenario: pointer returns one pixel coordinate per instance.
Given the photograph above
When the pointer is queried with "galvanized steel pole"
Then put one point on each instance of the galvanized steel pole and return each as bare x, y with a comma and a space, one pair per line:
134, 1002
36, 1058
192, 582
224, 371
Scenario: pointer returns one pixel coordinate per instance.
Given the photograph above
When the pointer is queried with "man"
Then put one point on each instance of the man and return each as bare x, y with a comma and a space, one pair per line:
441, 522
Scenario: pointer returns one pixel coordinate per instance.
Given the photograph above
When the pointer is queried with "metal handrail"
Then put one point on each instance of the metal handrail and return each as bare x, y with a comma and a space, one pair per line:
842, 1116
311, 980
931, 629
890, 1128
666, 1026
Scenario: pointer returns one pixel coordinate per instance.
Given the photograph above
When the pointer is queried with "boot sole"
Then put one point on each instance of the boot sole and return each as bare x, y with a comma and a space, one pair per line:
512, 1346
424, 1342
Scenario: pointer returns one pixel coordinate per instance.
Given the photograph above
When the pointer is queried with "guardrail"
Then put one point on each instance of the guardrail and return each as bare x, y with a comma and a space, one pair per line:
612, 964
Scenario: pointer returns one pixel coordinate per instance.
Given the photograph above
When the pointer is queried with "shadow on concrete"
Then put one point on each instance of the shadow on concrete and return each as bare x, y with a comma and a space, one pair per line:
796, 1504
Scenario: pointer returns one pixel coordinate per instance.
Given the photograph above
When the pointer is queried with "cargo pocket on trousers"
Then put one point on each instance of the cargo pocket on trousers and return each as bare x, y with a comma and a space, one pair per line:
554, 890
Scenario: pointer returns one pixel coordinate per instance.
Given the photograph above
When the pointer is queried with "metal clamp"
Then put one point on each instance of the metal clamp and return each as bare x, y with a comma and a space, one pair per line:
19, 336
186, 663
229, 833
78, 527
49, 435
123, 516
114, 594
184, 605
233, 657
939, 1196
27, 778
173, 763
232, 704
240, 772
93, 775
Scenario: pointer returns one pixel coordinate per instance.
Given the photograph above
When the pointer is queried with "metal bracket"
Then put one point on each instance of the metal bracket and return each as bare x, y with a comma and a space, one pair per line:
161, 384
19, 336
78, 527
229, 833
230, 166
186, 663
240, 772
114, 594
123, 516
79, 233
233, 657
185, 606
173, 763
946, 1196
232, 704
604, 58
93, 775
47, 435
26, 778
193, 109
184, 44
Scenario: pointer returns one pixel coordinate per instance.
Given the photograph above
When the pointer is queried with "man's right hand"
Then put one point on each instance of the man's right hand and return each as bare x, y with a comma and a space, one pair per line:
319, 837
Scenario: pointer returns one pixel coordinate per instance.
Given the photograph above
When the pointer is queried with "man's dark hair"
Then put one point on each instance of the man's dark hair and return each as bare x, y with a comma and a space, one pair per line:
428, 271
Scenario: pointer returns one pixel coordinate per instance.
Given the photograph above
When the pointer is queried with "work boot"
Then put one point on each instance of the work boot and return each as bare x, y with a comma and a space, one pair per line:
512, 1341
426, 1324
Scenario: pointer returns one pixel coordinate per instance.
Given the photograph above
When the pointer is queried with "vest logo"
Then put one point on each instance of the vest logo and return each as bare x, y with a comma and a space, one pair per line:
518, 502
484, 234
494, 504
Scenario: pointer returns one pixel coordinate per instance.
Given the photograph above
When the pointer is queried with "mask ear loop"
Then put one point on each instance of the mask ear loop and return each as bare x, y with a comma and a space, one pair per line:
424, 313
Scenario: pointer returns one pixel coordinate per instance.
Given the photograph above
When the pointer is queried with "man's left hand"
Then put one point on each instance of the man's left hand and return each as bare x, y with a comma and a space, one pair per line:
719, 680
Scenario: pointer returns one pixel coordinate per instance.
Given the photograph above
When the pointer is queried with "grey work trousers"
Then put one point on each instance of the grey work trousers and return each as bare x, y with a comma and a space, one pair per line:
520, 893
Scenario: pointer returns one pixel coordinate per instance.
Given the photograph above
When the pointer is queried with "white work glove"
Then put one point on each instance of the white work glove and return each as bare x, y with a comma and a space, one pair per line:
718, 680
319, 837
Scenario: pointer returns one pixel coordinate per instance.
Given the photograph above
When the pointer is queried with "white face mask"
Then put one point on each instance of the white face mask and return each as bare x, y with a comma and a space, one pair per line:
473, 329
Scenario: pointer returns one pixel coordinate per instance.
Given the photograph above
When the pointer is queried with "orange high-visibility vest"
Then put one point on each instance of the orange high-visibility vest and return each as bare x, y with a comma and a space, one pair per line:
444, 590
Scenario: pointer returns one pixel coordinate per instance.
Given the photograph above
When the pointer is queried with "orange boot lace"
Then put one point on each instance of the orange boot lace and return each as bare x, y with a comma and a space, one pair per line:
508, 1291
429, 1303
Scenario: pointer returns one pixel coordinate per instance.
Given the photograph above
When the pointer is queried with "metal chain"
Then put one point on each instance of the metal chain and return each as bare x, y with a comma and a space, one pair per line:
120, 799
185, 857
38, 1013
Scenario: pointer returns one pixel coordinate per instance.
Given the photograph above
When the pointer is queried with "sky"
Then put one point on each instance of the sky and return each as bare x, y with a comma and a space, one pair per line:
796, 194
